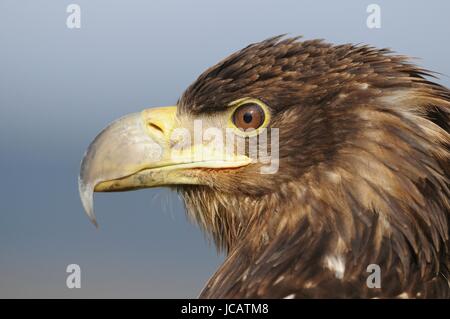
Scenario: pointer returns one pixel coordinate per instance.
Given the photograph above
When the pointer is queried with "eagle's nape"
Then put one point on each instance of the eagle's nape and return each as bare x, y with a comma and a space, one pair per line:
363, 178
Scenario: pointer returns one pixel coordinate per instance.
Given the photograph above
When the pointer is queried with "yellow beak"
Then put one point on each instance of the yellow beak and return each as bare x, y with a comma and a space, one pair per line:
140, 151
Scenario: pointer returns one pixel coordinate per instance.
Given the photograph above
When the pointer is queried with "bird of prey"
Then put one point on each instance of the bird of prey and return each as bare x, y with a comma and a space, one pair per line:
361, 180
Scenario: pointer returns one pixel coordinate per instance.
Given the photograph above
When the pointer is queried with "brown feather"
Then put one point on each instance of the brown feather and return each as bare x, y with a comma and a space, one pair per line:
364, 175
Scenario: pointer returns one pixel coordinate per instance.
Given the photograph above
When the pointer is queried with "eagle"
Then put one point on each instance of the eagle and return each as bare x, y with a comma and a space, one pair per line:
360, 177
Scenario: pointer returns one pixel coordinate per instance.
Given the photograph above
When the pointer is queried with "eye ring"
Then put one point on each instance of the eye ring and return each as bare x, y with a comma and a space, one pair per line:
248, 116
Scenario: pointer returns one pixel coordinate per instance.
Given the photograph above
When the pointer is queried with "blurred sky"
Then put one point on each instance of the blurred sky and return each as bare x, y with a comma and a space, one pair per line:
59, 87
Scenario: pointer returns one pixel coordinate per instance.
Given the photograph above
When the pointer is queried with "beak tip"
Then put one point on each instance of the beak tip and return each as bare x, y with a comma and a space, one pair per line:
95, 223
87, 199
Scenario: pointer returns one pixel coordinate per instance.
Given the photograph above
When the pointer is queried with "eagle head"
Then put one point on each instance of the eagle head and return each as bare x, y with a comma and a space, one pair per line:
306, 162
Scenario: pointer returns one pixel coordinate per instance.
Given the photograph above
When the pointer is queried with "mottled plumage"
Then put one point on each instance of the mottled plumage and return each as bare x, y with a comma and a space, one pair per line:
363, 178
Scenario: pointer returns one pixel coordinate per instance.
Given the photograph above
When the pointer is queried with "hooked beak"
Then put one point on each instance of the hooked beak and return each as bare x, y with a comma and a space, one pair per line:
137, 151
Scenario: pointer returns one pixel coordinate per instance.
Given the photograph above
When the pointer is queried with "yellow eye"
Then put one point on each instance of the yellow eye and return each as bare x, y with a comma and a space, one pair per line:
248, 116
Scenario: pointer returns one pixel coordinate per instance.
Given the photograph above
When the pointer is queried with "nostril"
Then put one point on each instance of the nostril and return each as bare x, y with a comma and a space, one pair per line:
155, 126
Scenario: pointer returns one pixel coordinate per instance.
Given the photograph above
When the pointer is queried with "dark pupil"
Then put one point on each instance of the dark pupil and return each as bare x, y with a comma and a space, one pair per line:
248, 117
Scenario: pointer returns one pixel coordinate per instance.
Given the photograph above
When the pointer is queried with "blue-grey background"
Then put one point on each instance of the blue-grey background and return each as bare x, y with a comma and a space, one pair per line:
59, 87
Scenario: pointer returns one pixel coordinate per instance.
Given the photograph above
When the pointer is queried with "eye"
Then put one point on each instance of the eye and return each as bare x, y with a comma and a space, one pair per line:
248, 116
